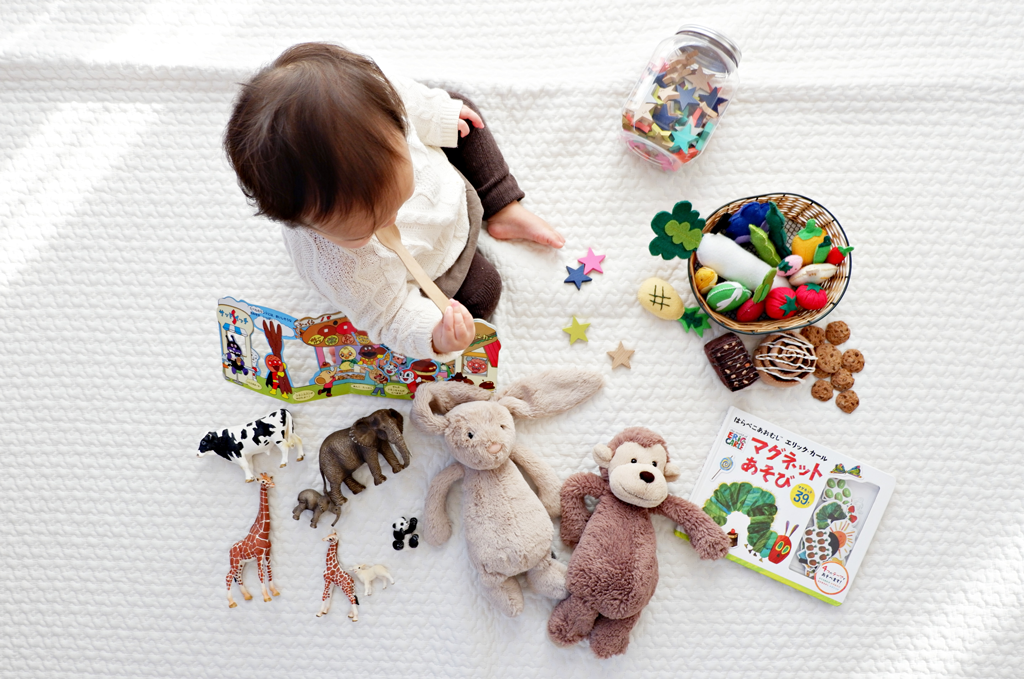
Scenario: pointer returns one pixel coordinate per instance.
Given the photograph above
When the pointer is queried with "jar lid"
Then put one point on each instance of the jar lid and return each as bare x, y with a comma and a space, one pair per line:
722, 42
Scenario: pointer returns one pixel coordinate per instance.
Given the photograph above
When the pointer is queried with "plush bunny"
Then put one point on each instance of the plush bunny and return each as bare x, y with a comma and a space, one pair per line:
508, 528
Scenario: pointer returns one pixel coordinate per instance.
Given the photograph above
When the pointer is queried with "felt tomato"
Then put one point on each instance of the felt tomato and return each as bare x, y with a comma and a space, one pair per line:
811, 296
781, 303
749, 311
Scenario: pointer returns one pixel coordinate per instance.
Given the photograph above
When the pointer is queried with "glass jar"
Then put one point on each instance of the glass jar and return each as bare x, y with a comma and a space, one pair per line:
681, 97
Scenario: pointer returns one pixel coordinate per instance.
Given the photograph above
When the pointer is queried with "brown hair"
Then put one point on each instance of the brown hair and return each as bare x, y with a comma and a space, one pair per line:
312, 135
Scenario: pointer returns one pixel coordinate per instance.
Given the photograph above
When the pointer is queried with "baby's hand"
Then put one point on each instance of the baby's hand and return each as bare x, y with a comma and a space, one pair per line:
456, 330
472, 116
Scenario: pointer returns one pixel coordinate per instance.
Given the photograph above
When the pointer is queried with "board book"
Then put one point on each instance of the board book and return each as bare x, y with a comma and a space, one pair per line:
316, 357
794, 510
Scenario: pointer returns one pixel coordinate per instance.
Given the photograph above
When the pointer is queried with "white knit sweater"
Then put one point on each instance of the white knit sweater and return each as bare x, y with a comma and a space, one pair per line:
370, 284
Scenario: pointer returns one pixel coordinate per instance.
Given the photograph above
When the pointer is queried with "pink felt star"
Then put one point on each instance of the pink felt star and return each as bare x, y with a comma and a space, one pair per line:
591, 262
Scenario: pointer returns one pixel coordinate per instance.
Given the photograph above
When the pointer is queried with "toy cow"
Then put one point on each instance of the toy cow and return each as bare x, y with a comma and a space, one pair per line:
239, 444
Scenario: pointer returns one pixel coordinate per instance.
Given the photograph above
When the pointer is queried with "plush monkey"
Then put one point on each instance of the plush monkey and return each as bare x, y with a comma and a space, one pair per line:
614, 569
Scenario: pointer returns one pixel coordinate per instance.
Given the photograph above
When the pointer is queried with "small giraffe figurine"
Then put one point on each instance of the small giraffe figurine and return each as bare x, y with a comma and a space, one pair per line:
255, 545
334, 574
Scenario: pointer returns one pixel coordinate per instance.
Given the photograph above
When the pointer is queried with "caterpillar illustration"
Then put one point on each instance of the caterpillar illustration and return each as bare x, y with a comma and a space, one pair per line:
758, 504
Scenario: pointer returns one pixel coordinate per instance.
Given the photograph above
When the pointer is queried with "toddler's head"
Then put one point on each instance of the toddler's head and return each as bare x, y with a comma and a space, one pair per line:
318, 138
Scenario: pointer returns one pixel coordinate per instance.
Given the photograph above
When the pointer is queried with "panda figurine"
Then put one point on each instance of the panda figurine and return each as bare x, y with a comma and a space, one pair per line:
402, 528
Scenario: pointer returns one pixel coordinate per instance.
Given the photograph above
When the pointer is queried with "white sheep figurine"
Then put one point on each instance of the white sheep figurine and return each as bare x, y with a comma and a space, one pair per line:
367, 574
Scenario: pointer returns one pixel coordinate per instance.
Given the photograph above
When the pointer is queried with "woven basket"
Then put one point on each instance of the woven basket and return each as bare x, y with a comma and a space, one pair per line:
797, 210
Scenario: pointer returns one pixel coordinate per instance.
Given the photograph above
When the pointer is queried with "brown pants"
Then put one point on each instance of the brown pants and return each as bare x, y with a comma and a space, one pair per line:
479, 159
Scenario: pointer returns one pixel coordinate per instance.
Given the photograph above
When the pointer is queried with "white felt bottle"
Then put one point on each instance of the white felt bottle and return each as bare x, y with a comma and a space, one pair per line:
731, 262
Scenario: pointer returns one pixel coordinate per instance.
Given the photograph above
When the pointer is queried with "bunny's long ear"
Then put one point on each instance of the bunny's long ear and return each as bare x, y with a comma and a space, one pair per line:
549, 392
434, 399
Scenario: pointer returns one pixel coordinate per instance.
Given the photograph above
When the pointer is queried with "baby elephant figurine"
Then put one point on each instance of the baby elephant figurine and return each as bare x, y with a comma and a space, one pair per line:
367, 574
316, 503
346, 450
508, 527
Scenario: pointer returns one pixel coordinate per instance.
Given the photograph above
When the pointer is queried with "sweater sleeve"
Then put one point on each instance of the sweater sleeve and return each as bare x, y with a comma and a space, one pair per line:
371, 289
433, 114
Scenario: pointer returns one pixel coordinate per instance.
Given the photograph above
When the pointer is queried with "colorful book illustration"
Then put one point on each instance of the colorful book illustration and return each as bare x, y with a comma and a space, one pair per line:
795, 511
311, 358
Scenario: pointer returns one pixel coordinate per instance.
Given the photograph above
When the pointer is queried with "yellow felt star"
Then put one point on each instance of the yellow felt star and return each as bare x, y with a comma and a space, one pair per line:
620, 357
577, 331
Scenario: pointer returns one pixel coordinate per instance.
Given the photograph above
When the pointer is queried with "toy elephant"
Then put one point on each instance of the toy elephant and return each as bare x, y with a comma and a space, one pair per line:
316, 503
346, 450
508, 527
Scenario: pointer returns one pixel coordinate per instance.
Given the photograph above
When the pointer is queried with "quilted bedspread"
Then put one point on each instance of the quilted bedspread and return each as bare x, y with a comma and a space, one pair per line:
121, 224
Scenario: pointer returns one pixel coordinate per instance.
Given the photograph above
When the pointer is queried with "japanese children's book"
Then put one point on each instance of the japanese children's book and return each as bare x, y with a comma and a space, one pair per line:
794, 510
306, 359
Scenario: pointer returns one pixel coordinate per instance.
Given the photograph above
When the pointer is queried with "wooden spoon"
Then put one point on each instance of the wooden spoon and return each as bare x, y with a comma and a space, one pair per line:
392, 240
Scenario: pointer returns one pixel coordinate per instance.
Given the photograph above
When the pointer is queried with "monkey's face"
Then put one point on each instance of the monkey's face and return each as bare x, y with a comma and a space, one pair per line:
637, 474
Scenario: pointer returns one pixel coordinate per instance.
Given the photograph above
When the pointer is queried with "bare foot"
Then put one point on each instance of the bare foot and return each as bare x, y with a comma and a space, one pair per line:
515, 221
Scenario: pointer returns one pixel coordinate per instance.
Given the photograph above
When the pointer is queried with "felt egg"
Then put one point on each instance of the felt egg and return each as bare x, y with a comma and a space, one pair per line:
813, 273
727, 296
704, 279
807, 241
749, 311
790, 265
781, 303
811, 296
660, 298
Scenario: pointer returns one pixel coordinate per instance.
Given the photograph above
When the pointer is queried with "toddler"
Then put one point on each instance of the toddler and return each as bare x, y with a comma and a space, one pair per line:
324, 143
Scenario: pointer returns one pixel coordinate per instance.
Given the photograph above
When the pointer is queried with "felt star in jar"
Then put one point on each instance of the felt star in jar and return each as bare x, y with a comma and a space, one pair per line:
700, 79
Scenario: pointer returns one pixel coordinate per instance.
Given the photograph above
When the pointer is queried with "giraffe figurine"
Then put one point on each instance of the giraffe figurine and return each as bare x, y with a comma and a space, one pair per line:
255, 545
334, 574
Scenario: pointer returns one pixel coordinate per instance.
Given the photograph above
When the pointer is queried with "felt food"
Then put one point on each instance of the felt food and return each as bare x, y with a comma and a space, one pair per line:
842, 380
731, 362
811, 296
704, 279
781, 303
829, 358
790, 265
813, 273
733, 263
660, 298
727, 296
765, 248
677, 233
853, 360
837, 254
784, 359
813, 334
776, 223
749, 311
806, 242
848, 401
822, 390
751, 214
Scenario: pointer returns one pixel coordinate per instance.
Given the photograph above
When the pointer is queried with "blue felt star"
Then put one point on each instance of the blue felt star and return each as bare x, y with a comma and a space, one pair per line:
681, 138
687, 97
710, 103
577, 277
664, 118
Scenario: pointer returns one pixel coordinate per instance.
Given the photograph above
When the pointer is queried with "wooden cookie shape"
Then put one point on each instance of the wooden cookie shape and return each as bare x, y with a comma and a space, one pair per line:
784, 359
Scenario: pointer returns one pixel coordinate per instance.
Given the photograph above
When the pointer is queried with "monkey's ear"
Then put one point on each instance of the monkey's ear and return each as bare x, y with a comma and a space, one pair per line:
671, 472
602, 455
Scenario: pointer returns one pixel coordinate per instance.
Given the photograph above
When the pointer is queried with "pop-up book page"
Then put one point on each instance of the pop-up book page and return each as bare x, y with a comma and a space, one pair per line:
794, 510
310, 358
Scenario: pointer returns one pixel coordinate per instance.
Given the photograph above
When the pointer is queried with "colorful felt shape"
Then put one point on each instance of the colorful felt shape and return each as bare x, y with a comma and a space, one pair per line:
700, 79
781, 303
765, 248
704, 279
767, 284
677, 233
660, 298
577, 277
776, 223
739, 223
695, 320
727, 296
683, 138
790, 265
813, 273
749, 311
811, 296
733, 263
837, 254
577, 331
807, 241
821, 252
591, 262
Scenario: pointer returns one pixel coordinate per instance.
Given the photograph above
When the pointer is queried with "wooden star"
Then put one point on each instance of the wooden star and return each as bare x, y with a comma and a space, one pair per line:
591, 262
577, 331
700, 78
620, 357
642, 113
677, 69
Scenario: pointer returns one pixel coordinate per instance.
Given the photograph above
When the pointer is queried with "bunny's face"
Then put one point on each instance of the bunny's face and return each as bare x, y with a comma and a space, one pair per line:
480, 434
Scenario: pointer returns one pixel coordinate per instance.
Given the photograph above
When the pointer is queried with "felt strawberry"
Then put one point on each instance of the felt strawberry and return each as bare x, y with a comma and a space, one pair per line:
811, 296
781, 303
837, 254
749, 311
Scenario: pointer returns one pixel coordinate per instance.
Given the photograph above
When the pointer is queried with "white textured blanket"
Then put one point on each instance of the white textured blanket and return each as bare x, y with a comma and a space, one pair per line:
121, 225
